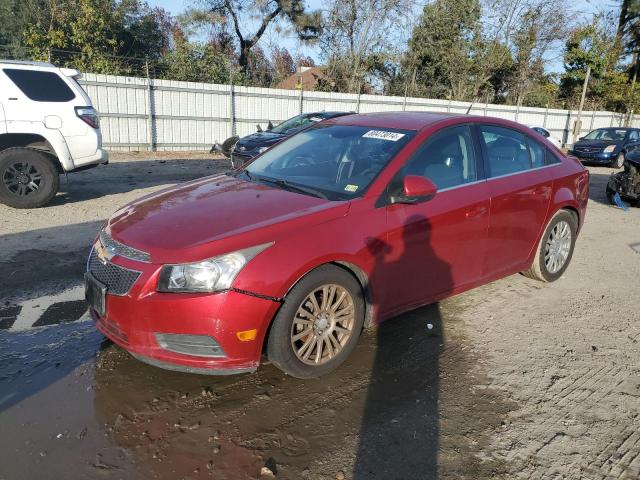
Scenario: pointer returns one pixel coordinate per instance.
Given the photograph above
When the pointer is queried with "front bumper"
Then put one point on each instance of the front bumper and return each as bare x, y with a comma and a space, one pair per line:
599, 158
133, 320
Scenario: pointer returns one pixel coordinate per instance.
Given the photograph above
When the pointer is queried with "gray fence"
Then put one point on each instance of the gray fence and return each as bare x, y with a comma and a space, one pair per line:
141, 114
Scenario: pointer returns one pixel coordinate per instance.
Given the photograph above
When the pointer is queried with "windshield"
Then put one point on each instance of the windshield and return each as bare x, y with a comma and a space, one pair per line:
297, 123
336, 161
614, 134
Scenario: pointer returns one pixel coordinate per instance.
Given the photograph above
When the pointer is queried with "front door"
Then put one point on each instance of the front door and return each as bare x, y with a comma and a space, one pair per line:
438, 245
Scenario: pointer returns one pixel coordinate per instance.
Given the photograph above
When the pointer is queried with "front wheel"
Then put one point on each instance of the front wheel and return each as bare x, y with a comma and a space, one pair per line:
619, 161
28, 178
555, 248
318, 324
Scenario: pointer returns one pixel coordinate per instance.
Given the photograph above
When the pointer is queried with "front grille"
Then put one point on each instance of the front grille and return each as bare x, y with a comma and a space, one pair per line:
118, 280
117, 248
588, 149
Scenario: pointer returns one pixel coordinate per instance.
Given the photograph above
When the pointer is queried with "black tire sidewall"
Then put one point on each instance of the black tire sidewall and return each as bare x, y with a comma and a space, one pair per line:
279, 349
40, 160
573, 224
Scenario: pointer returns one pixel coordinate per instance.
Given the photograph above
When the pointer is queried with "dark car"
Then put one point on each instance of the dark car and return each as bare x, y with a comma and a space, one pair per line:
627, 182
252, 145
606, 146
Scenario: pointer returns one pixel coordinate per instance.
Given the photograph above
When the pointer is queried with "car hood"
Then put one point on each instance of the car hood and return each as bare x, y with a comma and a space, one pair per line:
596, 143
259, 139
215, 215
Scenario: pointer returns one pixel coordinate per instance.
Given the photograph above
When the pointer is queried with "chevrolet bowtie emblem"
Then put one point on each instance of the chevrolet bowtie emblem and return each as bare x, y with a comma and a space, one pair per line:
104, 253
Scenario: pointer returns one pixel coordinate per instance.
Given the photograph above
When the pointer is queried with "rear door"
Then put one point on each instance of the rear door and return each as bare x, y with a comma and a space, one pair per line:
520, 185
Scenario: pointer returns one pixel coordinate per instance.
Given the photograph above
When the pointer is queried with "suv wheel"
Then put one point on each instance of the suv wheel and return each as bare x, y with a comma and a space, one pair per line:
619, 161
28, 178
555, 249
318, 324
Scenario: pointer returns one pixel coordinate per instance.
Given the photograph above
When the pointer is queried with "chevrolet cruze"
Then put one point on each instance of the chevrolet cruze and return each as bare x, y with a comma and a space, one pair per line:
339, 227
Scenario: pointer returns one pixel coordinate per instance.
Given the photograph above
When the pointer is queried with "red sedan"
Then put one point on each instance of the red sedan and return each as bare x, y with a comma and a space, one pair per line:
341, 226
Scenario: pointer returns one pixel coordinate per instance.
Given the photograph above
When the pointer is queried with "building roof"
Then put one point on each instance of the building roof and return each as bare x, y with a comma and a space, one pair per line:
308, 77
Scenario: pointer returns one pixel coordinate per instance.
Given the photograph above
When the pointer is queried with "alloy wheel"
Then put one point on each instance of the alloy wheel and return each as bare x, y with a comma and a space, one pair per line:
557, 247
22, 178
323, 324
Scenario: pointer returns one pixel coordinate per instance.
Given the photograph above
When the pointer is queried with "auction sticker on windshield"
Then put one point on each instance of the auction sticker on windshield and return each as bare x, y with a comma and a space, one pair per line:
383, 135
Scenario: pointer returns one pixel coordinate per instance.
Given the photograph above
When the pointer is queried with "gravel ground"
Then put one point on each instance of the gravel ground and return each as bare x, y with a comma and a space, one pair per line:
517, 379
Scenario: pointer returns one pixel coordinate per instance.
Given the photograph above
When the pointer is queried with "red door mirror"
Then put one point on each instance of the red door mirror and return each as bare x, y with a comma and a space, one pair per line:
416, 189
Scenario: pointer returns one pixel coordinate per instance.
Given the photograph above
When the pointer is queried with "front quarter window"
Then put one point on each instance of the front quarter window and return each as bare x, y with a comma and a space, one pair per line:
338, 161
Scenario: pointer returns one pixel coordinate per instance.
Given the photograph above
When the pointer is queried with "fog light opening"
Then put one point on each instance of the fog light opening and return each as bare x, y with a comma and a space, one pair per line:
196, 345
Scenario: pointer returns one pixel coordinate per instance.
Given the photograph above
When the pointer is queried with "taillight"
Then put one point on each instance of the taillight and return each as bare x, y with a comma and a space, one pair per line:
89, 116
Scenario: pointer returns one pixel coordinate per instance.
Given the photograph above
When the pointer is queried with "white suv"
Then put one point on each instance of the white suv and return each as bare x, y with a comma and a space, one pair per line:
47, 127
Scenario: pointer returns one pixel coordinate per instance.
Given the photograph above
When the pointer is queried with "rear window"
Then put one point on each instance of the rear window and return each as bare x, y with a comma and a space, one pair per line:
40, 86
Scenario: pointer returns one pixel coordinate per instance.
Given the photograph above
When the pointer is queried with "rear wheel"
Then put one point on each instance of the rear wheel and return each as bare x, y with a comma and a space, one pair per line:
318, 324
28, 178
555, 249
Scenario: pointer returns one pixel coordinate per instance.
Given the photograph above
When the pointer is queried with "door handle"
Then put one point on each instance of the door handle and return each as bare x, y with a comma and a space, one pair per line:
475, 212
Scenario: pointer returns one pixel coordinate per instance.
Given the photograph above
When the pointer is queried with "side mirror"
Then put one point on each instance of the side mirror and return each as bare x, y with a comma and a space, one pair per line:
416, 189
270, 126
581, 138
258, 128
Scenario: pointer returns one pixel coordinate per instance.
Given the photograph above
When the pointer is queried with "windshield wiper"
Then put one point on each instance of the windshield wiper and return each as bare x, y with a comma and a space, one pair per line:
292, 187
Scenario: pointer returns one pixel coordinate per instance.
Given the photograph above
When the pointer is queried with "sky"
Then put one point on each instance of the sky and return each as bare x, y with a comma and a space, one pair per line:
582, 9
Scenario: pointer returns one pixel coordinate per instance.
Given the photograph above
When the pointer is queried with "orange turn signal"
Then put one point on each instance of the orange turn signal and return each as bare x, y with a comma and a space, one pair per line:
247, 335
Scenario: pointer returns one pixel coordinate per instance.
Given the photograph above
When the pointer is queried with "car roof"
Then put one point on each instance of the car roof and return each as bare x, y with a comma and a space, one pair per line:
410, 120
28, 63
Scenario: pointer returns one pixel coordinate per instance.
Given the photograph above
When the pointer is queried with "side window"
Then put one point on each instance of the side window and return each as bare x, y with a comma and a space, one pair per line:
507, 150
536, 152
633, 136
550, 158
447, 158
40, 86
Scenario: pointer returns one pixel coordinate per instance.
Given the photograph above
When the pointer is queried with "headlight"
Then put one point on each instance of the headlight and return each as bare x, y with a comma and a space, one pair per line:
262, 149
609, 149
212, 275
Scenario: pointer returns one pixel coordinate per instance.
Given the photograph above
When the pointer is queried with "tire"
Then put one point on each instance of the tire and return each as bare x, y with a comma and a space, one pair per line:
287, 352
540, 269
28, 178
619, 161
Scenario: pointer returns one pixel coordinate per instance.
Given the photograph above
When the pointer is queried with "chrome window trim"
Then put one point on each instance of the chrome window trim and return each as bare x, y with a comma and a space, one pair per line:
524, 171
494, 178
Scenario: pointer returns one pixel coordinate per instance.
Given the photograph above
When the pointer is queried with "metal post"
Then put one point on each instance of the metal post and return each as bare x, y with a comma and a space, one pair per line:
449, 106
546, 114
232, 104
593, 119
150, 116
517, 112
404, 102
301, 97
358, 100
578, 128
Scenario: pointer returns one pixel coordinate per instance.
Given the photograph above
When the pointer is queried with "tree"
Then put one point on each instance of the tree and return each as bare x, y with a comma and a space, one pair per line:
590, 45
359, 36
307, 25
540, 27
446, 49
97, 33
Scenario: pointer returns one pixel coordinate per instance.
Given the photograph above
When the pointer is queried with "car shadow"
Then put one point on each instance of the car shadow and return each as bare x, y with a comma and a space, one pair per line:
126, 176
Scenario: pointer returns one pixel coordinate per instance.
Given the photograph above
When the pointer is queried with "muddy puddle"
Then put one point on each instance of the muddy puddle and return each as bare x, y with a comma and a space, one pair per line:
404, 406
